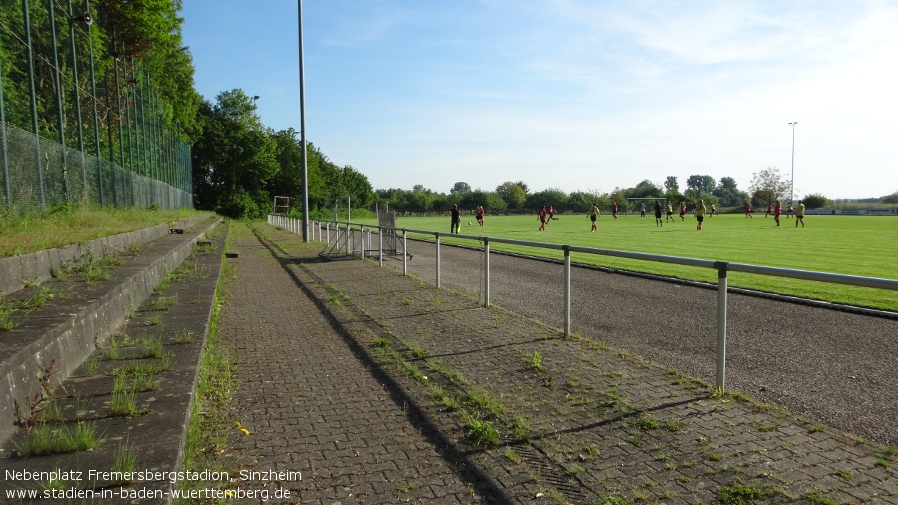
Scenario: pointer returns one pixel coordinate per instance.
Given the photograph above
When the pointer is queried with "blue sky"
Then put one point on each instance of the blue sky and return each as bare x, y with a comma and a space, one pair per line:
572, 94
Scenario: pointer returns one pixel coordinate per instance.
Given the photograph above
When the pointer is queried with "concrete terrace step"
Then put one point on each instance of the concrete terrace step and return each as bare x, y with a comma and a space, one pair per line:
40, 265
80, 315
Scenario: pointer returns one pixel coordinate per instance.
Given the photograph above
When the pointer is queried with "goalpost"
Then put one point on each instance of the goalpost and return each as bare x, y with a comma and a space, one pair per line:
649, 205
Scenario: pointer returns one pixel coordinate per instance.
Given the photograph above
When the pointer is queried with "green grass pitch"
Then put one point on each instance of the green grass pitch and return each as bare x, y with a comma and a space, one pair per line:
855, 245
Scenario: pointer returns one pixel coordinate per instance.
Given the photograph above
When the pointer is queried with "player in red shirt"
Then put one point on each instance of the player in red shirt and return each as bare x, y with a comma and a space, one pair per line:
748, 211
682, 211
614, 209
542, 218
769, 211
480, 213
776, 213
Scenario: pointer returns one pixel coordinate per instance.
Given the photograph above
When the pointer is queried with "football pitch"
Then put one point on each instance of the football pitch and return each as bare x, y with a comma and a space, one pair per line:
854, 245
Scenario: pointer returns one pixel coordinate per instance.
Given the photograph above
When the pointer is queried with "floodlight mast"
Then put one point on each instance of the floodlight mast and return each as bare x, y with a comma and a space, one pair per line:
792, 184
302, 129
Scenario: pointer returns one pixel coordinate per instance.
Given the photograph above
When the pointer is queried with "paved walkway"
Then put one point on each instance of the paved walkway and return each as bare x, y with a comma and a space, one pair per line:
373, 387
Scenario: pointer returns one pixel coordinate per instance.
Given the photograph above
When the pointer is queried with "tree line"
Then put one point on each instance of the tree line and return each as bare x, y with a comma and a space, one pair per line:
767, 186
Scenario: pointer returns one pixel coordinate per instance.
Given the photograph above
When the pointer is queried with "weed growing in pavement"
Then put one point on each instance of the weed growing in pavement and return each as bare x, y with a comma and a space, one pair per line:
7, 323
54, 439
91, 367
125, 460
535, 361
482, 432
818, 498
383, 343
123, 401
164, 302
154, 320
484, 403
416, 350
738, 493
57, 485
520, 428
40, 296
510, 453
574, 469
152, 347
408, 301
645, 423
183, 336
112, 349
846, 474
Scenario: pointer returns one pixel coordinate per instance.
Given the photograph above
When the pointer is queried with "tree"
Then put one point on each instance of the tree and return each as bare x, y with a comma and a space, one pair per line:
671, 184
768, 185
513, 194
700, 184
460, 189
551, 196
816, 201
893, 198
728, 193
234, 158
645, 189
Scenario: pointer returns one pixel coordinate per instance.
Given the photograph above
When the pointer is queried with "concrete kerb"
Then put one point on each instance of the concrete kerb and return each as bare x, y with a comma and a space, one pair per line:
71, 334
39, 266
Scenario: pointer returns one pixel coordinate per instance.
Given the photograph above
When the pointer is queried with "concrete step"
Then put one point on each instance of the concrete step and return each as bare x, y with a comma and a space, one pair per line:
79, 317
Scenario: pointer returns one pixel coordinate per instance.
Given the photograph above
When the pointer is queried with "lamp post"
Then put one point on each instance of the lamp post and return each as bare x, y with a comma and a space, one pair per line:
255, 98
792, 186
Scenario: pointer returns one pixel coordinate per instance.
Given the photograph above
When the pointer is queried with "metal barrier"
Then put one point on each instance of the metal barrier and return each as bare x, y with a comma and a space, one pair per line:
722, 268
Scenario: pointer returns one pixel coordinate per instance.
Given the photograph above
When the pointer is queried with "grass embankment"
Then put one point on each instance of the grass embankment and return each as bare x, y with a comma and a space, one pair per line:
22, 235
852, 245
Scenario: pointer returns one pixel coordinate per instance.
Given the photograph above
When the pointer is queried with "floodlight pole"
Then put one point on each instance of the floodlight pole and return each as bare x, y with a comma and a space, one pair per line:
792, 186
302, 129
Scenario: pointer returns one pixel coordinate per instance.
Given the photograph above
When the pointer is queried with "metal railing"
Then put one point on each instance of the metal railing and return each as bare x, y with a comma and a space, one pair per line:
722, 268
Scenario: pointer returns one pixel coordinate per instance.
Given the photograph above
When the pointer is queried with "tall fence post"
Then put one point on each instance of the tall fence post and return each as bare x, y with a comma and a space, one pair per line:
486, 272
380, 247
567, 292
438, 260
721, 325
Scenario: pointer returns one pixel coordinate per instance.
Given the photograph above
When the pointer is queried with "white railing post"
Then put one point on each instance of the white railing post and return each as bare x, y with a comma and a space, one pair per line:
362, 240
567, 292
404, 254
486, 272
721, 325
380, 247
328, 230
438, 259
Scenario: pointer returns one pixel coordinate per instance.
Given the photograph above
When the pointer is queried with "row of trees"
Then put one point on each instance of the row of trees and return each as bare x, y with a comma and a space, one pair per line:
239, 165
767, 186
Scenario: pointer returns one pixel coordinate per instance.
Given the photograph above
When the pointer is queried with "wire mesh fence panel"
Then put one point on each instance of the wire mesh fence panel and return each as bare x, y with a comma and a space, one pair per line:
40, 174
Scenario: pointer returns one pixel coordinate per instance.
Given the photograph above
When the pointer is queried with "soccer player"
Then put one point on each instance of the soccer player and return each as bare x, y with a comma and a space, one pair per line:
552, 213
593, 214
658, 220
642, 210
700, 213
480, 213
791, 211
455, 225
669, 212
682, 211
542, 218
799, 216
776, 213
614, 209
713, 210
748, 211
769, 211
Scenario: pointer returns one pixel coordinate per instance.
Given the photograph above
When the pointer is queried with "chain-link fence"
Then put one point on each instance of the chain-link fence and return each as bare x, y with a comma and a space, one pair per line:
40, 174
87, 109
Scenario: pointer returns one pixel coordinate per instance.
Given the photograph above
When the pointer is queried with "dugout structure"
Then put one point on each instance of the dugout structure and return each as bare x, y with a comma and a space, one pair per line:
282, 205
649, 205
